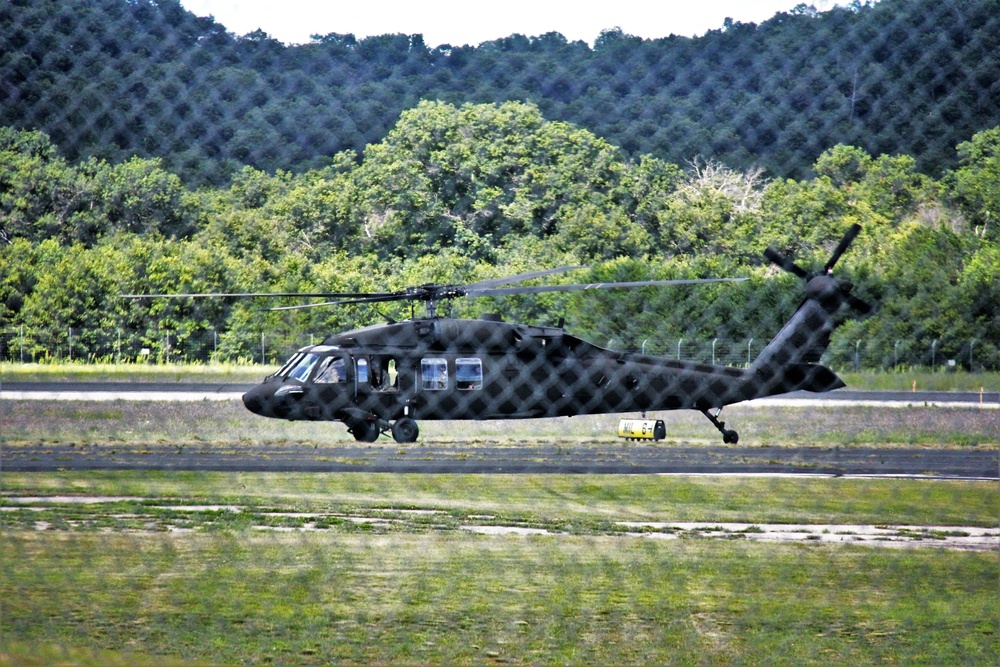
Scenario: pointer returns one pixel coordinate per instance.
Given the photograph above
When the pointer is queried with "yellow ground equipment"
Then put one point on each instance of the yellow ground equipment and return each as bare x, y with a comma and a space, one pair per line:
642, 429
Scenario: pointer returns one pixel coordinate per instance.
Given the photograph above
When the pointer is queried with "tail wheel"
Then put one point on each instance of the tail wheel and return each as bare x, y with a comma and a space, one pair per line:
405, 430
366, 431
730, 437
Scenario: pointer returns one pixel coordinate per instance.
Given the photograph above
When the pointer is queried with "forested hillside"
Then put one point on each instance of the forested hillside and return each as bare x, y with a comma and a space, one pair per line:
457, 194
114, 79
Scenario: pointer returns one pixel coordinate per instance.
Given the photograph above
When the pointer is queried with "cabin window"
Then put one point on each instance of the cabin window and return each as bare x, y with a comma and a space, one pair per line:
301, 370
332, 370
469, 374
362, 370
381, 373
434, 374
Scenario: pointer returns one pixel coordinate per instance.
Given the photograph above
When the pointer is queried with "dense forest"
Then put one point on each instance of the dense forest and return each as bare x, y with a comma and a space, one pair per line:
457, 194
146, 150
113, 79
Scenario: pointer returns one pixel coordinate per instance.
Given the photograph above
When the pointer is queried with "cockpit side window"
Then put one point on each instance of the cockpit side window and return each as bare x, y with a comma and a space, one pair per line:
301, 370
332, 370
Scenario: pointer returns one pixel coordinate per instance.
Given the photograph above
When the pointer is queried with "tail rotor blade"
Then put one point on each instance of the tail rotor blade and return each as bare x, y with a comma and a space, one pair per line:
842, 247
859, 305
788, 265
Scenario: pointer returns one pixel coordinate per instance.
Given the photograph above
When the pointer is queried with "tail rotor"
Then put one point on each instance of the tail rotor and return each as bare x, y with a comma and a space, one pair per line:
822, 285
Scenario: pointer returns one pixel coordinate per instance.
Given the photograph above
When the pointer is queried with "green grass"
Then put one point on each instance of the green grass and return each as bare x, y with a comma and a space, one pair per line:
586, 502
104, 372
904, 380
229, 424
109, 579
320, 599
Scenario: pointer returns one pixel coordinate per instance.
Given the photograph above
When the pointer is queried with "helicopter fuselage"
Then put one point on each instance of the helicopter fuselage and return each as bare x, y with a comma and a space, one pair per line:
442, 368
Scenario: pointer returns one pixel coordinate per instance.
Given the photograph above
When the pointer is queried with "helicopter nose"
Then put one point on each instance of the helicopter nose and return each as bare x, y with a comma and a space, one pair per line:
255, 400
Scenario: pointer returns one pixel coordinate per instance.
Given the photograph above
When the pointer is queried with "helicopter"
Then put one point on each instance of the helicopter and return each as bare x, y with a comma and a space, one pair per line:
382, 379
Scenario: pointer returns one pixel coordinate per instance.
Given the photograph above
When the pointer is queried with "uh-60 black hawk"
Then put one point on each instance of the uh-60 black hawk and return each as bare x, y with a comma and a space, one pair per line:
384, 378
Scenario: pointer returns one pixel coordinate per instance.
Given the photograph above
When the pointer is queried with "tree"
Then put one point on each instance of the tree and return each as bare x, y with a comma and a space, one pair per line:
974, 185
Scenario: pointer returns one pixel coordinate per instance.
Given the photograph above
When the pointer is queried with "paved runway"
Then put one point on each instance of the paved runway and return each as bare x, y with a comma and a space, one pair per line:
459, 457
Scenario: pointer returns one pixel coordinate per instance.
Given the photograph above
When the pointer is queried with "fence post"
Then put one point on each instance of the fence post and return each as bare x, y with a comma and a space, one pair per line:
934, 354
857, 355
749, 343
971, 343
714, 341
679, 348
22, 343
263, 359
71, 343
647, 340
895, 356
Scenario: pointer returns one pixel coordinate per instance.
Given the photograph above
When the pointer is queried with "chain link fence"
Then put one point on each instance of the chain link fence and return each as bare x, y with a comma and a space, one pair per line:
146, 150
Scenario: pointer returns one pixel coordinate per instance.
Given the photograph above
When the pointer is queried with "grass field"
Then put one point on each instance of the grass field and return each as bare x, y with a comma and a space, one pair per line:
159, 565
229, 423
181, 568
98, 372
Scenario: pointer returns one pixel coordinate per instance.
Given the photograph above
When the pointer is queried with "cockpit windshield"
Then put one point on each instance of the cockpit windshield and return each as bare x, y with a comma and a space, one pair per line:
302, 368
283, 371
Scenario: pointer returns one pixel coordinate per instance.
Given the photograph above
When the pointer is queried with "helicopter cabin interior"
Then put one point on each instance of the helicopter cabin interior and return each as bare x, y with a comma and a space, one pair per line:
381, 372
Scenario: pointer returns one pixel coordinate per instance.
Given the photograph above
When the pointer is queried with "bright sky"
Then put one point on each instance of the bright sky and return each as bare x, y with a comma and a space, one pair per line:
458, 22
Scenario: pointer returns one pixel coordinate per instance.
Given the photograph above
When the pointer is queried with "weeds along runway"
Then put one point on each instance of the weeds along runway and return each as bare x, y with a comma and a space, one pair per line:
526, 458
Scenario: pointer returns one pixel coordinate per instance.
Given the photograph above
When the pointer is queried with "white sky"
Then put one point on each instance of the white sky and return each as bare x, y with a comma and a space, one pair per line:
458, 22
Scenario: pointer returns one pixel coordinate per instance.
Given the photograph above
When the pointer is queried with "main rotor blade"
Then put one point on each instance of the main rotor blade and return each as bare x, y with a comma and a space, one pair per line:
244, 295
592, 286
785, 263
844, 244
376, 298
496, 282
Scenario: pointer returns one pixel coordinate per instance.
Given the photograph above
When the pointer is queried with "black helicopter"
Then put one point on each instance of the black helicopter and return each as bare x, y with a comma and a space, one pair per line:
384, 378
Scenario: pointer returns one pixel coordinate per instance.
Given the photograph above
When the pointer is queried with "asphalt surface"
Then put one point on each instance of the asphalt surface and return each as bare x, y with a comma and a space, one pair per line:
515, 459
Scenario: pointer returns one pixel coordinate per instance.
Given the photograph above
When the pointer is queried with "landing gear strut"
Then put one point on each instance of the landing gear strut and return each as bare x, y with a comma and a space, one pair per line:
729, 436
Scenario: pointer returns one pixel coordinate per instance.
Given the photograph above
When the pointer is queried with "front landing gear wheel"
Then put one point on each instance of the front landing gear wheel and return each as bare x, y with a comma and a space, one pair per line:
366, 431
405, 430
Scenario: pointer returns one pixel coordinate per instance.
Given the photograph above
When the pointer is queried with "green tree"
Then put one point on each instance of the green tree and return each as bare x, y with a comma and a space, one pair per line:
975, 185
